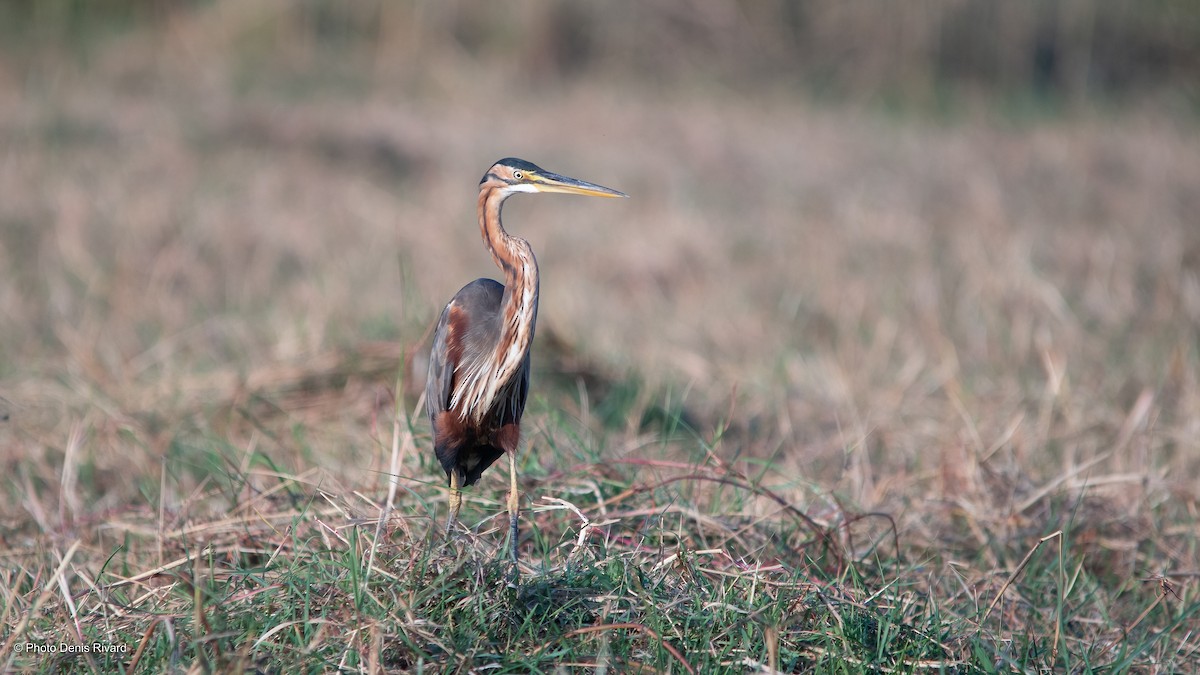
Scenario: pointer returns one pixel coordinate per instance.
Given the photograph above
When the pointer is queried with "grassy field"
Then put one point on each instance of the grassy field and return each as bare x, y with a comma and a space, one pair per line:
841, 388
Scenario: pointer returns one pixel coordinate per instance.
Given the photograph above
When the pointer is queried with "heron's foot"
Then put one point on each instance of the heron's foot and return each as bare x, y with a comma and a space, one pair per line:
513, 533
514, 511
449, 546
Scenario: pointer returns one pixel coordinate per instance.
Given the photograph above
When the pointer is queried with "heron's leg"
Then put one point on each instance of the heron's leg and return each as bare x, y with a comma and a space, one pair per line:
455, 501
514, 504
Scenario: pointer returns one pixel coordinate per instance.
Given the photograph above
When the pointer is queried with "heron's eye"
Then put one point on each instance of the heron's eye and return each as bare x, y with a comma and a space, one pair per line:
517, 175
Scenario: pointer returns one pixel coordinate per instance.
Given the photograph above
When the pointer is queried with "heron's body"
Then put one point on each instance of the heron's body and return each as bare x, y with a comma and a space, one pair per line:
479, 365
468, 334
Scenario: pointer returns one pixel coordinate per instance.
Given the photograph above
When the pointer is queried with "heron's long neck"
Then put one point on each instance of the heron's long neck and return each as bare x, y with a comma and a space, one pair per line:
519, 306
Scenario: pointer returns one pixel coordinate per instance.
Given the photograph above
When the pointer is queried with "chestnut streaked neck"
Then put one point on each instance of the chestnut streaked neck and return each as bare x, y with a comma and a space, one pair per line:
514, 257
507, 251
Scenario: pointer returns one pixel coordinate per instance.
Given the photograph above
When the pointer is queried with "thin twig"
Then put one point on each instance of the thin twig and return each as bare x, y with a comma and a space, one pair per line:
821, 532
1017, 572
137, 654
397, 461
624, 626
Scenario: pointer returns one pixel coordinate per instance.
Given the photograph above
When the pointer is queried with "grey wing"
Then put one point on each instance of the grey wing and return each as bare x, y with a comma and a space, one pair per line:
440, 382
465, 337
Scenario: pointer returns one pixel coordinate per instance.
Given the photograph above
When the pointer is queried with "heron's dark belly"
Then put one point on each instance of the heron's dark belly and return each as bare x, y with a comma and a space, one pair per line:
471, 448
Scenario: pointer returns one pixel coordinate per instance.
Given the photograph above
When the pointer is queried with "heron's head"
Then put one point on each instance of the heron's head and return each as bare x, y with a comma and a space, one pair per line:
513, 175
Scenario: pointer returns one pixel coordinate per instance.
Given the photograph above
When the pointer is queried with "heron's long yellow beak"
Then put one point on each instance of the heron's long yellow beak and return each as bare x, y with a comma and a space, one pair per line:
552, 182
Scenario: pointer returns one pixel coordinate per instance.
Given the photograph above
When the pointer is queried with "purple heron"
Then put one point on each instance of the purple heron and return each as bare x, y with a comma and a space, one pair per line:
479, 366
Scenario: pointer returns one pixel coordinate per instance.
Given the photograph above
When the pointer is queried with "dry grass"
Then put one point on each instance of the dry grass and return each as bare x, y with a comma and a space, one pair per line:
875, 391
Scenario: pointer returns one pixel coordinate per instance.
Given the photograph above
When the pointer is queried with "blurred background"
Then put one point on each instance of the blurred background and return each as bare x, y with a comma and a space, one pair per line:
871, 237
